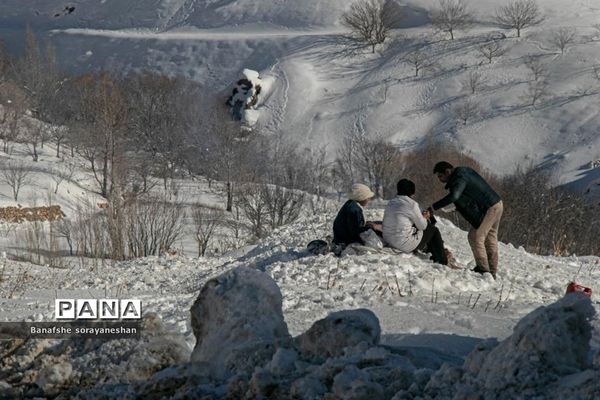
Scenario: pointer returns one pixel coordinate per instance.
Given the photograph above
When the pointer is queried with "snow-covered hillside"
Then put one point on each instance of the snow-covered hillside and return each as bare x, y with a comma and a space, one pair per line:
440, 314
319, 94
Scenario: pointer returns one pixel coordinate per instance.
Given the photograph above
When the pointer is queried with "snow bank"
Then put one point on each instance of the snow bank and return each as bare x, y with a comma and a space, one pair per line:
546, 357
237, 319
46, 368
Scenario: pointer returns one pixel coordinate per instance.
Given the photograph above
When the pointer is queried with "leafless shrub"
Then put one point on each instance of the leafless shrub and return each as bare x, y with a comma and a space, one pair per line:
536, 90
451, 15
269, 206
544, 219
16, 175
283, 205
59, 175
151, 227
466, 111
65, 230
563, 38
370, 21
537, 68
492, 50
519, 14
368, 159
473, 81
419, 60
206, 221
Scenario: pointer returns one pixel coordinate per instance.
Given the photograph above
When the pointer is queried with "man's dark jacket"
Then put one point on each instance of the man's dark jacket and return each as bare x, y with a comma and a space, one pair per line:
349, 224
471, 195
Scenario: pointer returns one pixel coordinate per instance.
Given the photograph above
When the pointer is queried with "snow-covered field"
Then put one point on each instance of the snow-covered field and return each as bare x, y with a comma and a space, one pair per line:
419, 304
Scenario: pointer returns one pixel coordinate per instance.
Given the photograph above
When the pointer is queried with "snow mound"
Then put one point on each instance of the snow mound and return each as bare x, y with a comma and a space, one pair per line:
329, 336
46, 368
237, 319
547, 356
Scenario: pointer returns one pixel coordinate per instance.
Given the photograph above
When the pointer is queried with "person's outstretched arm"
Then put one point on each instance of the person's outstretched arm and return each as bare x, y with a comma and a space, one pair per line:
456, 191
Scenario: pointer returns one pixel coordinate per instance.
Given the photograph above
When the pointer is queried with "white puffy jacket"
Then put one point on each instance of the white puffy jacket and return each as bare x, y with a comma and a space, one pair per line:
403, 224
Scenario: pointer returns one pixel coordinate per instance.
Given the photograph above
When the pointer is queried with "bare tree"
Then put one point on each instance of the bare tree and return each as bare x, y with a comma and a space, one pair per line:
536, 90
370, 21
419, 60
562, 38
371, 159
451, 15
16, 175
253, 207
473, 81
519, 14
466, 111
33, 134
206, 222
537, 68
102, 122
492, 50
65, 230
58, 175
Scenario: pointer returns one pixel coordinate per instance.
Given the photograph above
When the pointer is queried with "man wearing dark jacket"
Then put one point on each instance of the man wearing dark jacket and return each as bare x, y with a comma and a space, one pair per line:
350, 220
480, 205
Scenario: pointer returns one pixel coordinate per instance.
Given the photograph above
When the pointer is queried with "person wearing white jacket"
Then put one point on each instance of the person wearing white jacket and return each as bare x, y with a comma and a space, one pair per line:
407, 229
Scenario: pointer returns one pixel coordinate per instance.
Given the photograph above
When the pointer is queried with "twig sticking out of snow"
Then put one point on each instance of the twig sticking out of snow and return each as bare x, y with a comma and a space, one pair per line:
398, 286
578, 271
476, 300
432, 289
499, 297
469, 302
487, 305
509, 292
363, 285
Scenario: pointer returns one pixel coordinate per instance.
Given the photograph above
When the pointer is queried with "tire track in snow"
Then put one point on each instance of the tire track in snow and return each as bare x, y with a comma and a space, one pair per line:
276, 107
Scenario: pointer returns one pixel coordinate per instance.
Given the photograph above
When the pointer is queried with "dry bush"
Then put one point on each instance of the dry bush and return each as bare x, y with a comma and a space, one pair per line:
492, 50
152, 227
466, 111
206, 222
547, 220
268, 207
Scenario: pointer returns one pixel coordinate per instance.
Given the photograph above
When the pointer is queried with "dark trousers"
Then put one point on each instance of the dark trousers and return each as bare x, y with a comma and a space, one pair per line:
433, 244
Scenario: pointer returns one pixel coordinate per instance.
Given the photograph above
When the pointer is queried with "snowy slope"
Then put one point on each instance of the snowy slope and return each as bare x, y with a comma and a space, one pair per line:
320, 94
436, 313
467, 304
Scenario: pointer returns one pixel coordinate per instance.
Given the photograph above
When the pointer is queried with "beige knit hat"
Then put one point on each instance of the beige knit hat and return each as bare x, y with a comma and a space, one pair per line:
360, 192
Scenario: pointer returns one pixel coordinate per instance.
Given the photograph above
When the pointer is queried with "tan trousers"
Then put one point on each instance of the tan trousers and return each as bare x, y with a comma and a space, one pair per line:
484, 240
